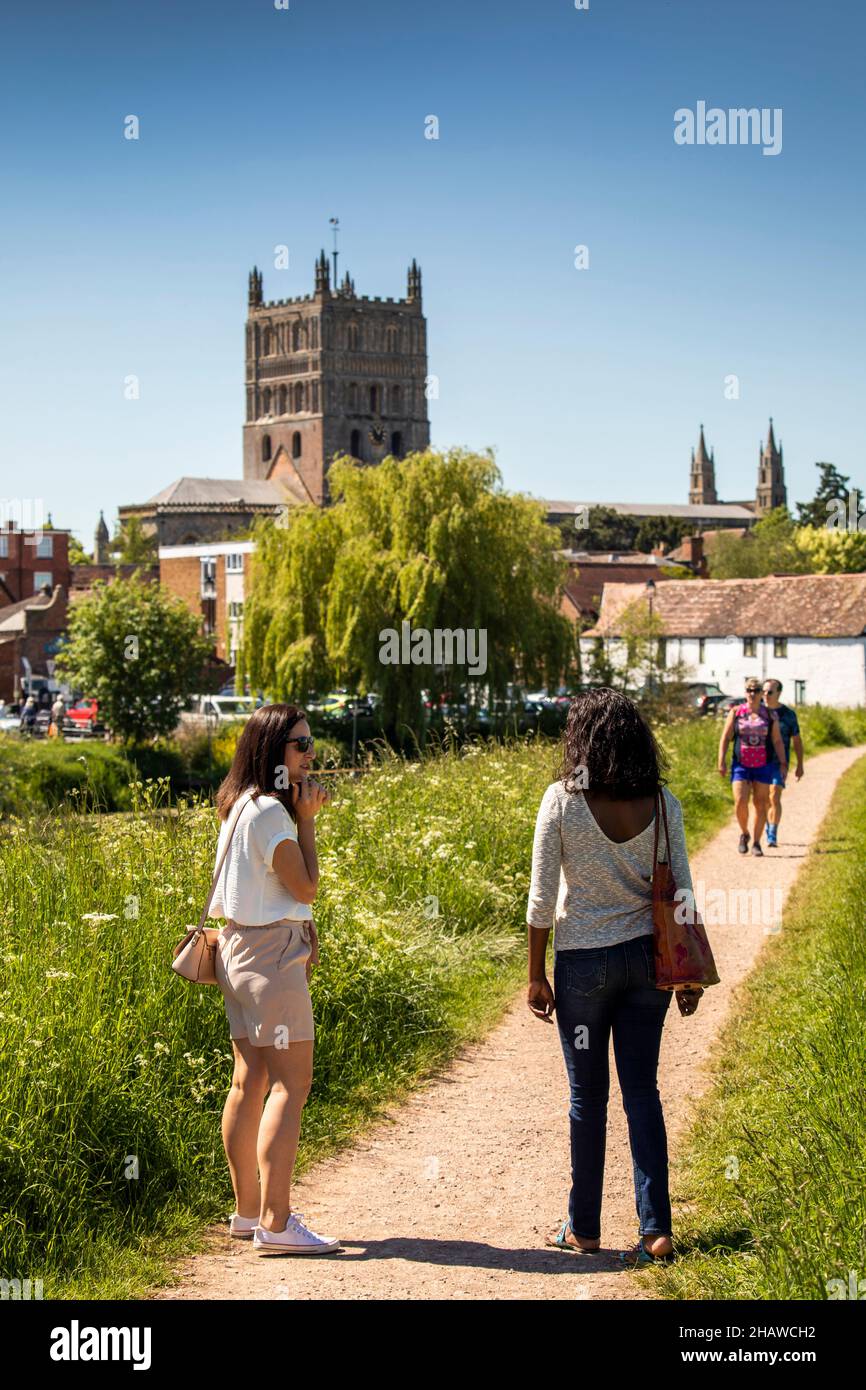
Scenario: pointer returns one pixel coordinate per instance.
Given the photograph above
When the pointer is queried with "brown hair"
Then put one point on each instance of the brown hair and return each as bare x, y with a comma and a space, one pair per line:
258, 757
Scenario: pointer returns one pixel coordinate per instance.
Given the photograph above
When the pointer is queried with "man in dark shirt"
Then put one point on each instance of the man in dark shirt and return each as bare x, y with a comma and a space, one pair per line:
790, 731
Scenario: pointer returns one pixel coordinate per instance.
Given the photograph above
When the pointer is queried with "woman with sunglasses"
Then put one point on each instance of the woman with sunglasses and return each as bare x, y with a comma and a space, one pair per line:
265, 953
758, 753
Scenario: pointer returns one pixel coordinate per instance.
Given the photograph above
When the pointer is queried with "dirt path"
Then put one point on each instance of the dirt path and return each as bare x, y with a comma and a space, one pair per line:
451, 1196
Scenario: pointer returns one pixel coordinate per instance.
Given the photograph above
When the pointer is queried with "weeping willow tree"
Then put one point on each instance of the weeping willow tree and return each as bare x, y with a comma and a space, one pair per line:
431, 540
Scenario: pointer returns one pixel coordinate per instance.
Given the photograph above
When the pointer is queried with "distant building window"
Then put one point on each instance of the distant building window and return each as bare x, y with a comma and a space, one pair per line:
296, 445
266, 400
780, 647
234, 563
282, 400
750, 646
397, 444
299, 397
702, 649
266, 342
355, 446
266, 447
799, 692
296, 336
374, 400
45, 547
391, 339
208, 576
4, 545
353, 395
354, 336
661, 653
41, 578
236, 609
315, 404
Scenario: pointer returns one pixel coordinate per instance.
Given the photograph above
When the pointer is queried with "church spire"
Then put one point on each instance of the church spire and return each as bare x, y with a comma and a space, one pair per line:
771, 491
413, 282
254, 296
702, 480
323, 274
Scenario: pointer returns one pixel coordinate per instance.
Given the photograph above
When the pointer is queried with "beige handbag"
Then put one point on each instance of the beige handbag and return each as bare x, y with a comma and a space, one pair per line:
195, 957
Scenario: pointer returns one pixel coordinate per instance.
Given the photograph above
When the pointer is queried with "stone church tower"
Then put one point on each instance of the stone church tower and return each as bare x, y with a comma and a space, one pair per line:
771, 476
702, 479
330, 373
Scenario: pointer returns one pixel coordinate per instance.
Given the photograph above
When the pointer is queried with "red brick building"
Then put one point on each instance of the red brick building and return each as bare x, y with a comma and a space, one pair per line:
30, 561
30, 633
211, 580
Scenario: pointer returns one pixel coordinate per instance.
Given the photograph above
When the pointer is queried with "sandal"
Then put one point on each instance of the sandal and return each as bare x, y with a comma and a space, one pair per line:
639, 1255
563, 1244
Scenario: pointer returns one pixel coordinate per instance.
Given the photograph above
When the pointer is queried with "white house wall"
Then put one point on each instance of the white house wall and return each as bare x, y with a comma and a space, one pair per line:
833, 668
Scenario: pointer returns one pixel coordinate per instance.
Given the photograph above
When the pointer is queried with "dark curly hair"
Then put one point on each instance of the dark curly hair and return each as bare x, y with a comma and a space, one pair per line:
609, 748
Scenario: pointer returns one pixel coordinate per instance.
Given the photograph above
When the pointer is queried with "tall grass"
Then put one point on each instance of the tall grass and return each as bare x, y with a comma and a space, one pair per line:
773, 1193
113, 1071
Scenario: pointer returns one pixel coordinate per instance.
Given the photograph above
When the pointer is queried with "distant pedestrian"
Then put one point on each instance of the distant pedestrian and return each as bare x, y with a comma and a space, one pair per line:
790, 727
756, 736
27, 722
58, 712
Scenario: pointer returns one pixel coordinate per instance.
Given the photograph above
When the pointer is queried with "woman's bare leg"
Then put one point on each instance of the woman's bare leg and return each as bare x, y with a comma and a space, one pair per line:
762, 802
290, 1072
242, 1114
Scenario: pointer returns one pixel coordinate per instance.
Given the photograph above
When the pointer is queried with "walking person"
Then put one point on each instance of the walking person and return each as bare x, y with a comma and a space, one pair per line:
790, 727
592, 869
756, 737
265, 951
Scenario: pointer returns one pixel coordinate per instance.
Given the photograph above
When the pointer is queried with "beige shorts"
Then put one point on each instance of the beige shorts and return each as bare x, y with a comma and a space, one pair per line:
262, 974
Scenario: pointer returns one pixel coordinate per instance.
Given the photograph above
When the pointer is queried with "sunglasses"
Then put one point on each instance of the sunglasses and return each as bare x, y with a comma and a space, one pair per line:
753, 690
305, 742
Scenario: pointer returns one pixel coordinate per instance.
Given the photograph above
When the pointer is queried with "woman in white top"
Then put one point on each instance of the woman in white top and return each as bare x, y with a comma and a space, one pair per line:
265, 952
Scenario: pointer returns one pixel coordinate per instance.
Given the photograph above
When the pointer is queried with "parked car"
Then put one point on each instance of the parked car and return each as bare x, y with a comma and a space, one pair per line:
218, 709
84, 715
706, 697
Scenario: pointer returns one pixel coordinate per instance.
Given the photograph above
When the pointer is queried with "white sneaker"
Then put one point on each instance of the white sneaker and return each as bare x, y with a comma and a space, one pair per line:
242, 1227
296, 1239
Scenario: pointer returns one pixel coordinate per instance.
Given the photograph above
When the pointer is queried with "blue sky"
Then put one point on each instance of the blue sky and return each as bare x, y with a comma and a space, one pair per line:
556, 129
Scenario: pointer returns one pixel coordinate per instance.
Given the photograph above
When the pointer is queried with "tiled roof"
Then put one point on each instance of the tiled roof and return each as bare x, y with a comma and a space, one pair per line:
209, 492
689, 511
799, 605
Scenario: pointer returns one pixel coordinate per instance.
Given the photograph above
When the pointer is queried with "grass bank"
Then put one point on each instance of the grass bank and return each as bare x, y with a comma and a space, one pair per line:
773, 1189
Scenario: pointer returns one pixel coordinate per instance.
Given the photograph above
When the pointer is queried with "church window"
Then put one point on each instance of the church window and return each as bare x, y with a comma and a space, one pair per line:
314, 333
391, 338
296, 445
315, 405
354, 336
397, 444
353, 395
299, 397
266, 342
374, 400
296, 335
283, 400
355, 446
266, 401
266, 448
395, 400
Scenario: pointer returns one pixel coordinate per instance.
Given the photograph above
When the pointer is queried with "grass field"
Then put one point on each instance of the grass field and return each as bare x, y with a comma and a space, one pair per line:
114, 1071
775, 1177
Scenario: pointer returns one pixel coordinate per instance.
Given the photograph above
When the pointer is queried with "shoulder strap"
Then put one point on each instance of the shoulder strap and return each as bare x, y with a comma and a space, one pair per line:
661, 808
241, 802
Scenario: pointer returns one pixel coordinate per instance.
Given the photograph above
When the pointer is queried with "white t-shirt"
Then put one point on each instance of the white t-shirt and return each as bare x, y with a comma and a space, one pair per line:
248, 891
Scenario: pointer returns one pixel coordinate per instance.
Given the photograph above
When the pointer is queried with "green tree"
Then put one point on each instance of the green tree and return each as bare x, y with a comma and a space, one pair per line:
132, 545
77, 554
833, 486
769, 548
832, 552
431, 540
138, 651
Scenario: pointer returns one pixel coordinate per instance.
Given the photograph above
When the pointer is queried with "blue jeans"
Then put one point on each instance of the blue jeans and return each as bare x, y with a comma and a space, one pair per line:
599, 991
